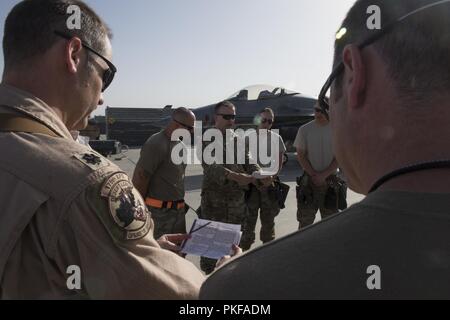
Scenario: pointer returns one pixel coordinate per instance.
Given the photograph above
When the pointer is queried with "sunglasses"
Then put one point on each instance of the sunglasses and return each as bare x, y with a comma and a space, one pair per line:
323, 100
184, 125
318, 110
108, 75
269, 121
228, 116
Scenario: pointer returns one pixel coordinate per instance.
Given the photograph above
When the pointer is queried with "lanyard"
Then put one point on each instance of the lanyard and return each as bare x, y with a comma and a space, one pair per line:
439, 164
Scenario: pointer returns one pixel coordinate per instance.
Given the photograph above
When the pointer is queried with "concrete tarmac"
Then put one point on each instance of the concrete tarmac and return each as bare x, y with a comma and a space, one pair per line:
286, 223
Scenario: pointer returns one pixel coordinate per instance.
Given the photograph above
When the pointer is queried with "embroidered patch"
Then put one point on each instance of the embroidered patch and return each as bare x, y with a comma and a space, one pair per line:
126, 206
92, 160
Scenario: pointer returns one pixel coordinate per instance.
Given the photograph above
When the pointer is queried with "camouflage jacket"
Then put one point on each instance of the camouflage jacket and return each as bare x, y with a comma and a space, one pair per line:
214, 180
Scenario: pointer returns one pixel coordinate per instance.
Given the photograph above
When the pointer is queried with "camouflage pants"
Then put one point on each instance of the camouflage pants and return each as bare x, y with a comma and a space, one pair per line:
168, 221
260, 201
222, 208
306, 214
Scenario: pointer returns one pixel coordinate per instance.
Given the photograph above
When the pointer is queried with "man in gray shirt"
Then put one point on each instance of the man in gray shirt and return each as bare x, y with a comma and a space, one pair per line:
315, 154
160, 180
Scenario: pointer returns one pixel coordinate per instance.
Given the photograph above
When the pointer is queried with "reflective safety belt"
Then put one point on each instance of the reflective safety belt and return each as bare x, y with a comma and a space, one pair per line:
159, 204
20, 123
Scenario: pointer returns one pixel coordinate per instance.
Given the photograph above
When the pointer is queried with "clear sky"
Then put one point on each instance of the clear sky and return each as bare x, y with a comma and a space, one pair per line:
197, 52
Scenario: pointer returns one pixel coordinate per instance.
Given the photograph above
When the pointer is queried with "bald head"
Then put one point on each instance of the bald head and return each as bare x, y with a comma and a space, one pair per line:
182, 118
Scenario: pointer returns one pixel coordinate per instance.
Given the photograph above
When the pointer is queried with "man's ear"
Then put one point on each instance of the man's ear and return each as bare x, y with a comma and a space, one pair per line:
355, 76
73, 52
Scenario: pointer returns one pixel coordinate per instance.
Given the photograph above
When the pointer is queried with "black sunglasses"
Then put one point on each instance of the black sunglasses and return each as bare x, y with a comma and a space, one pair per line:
108, 75
184, 125
323, 100
228, 116
269, 121
318, 110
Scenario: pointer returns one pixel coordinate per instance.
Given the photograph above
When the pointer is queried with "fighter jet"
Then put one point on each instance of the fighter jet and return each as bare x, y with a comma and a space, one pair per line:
292, 109
133, 126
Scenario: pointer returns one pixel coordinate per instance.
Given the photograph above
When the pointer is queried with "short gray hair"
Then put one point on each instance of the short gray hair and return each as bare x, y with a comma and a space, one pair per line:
417, 51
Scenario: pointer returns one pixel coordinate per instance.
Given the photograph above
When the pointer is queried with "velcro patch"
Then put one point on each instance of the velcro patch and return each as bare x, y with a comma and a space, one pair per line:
92, 160
126, 206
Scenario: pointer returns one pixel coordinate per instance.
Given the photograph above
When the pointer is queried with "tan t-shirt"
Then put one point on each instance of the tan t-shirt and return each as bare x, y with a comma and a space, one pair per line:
316, 141
262, 145
166, 178
67, 213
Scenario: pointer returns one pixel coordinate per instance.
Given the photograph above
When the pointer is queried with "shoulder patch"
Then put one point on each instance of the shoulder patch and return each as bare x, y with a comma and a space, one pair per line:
126, 206
92, 160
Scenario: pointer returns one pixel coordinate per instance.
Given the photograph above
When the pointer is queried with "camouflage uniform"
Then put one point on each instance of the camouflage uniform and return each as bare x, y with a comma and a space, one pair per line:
260, 199
223, 200
313, 199
168, 221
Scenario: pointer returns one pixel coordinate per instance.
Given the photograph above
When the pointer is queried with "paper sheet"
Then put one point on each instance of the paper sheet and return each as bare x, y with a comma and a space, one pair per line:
212, 239
260, 175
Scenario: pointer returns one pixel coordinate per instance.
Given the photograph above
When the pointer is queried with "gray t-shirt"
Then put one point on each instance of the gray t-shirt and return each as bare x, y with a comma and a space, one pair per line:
316, 141
166, 178
397, 240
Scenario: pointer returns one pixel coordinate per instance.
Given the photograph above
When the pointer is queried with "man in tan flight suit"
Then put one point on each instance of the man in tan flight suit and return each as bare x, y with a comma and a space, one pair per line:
71, 223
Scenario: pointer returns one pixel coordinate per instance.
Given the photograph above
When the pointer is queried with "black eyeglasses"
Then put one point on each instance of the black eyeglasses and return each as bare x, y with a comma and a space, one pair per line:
323, 100
108, 75
269, 121
184, 125
228, 116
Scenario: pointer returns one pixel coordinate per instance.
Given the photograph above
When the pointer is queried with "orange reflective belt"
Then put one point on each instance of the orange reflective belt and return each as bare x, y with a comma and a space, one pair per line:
159, 204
